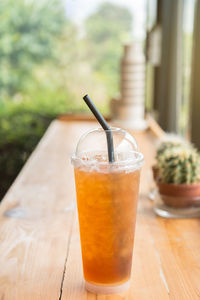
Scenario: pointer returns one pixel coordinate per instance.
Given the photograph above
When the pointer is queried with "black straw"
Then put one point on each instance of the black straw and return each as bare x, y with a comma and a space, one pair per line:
104, 125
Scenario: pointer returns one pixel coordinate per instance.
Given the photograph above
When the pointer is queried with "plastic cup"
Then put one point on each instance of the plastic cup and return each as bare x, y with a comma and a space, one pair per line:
107, 195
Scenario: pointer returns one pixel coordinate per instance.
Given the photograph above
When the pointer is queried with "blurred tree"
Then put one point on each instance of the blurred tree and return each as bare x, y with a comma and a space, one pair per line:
28, 33
106, 30
45, 65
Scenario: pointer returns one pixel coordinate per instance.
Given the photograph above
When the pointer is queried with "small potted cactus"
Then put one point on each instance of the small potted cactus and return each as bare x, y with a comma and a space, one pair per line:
178, 174
164, 146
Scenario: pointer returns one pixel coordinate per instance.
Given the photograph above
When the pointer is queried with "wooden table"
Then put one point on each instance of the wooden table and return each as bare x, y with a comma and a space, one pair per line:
40, 254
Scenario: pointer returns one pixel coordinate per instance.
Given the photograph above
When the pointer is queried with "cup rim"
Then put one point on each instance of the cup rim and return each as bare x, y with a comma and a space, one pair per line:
129, 162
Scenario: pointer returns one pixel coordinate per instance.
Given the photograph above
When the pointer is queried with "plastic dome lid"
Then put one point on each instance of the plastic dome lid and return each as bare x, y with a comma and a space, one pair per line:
92, 150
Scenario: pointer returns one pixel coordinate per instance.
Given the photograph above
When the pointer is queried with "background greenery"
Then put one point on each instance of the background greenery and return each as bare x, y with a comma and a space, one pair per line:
46, 65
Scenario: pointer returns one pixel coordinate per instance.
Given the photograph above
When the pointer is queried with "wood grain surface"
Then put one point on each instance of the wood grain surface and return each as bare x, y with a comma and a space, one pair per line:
40, 254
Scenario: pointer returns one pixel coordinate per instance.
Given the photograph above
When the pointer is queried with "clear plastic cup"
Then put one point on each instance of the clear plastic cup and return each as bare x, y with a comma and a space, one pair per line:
107, 195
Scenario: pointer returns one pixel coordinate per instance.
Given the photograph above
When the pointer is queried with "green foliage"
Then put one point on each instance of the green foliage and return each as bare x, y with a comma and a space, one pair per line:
29, 30
106, 30
29, 33
22, 124
109, 22
20, 131
178, 163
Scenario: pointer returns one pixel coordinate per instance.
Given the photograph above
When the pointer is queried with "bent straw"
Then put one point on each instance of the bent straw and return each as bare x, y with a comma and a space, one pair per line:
104, 125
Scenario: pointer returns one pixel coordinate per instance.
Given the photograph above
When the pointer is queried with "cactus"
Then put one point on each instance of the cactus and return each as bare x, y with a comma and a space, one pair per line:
166, 146
178, 163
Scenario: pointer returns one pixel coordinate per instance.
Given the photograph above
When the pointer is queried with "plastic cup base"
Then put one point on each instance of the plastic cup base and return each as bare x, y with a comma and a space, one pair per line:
107, 289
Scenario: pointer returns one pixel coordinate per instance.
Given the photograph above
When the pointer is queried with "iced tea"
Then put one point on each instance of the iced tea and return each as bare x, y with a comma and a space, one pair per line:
107, 203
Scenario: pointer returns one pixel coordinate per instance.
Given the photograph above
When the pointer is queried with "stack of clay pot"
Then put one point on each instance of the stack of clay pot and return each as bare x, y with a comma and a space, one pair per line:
129, 109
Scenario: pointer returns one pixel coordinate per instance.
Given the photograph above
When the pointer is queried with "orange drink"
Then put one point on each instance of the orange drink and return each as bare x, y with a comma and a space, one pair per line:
107, 196
107, 206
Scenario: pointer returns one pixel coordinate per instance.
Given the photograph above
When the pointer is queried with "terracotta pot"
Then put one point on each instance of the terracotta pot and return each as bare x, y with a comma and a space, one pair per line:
179, 195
